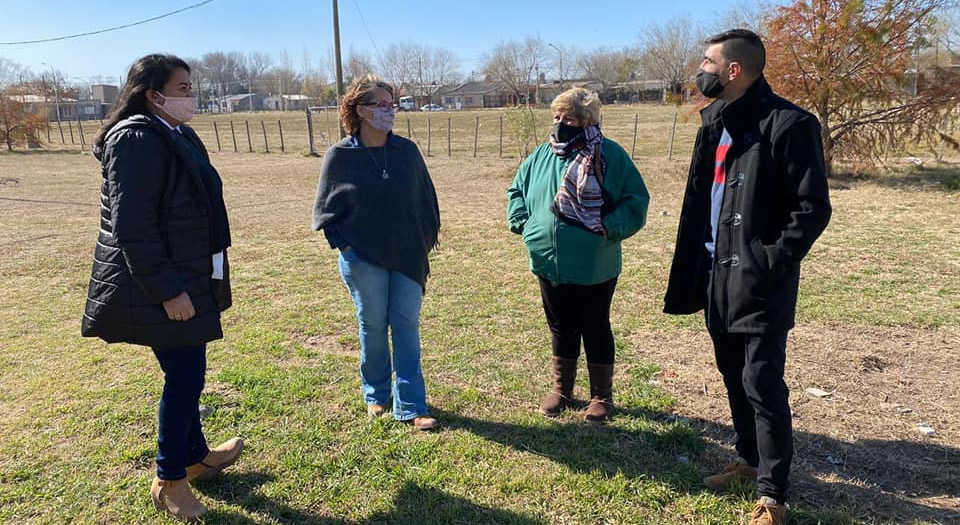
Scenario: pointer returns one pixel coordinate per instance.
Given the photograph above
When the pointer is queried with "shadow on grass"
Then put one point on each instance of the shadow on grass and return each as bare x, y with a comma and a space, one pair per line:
833, 481
939, 178
412, 504
872, 480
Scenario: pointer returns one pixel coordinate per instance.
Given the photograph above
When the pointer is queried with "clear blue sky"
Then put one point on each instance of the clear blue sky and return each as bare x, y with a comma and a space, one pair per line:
468, 29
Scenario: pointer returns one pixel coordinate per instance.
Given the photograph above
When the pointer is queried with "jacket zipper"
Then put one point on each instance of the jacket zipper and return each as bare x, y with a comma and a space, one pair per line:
726, 276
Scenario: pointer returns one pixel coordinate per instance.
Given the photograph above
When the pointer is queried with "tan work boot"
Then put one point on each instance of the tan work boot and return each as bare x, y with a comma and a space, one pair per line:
737, 472
601, 393
176, 498
423, 423
217, 459
560, 397
766, 511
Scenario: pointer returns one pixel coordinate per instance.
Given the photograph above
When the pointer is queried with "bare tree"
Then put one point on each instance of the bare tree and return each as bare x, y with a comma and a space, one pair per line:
403, 64
222, 70
672, 51
746, 15
358, 64
257, 64
9, 72
608, 67
442, 67
514, 64
561, 61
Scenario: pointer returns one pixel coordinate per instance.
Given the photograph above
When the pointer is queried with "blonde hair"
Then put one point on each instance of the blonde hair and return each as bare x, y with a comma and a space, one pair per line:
580, 103
360, 91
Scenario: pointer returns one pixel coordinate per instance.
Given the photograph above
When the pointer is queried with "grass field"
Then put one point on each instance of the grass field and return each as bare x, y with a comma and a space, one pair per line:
878, 327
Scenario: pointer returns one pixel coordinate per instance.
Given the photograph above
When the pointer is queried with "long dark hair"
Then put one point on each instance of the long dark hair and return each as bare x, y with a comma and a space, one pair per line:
149, 72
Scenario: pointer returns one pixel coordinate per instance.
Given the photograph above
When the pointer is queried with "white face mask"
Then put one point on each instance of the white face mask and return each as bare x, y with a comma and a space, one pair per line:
181, 109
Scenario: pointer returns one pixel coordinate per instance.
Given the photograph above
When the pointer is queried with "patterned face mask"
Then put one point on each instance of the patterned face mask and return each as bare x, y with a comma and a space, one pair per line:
181, 109
382, 118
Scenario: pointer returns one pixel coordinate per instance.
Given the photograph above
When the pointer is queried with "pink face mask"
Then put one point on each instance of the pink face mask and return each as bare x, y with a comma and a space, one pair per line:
181, 109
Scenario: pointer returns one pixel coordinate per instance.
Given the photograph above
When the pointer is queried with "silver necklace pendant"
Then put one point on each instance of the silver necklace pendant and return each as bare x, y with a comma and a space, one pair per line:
384, 174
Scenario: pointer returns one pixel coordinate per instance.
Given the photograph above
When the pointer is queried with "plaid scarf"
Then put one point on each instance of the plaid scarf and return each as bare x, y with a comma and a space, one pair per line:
580, 196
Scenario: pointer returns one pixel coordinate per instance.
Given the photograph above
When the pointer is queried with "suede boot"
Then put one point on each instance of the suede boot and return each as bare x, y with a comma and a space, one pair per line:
601, 393
564, 375
175, 497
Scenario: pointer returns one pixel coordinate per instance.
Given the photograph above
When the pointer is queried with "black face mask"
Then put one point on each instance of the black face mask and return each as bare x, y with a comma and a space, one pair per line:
565, 132
709, 84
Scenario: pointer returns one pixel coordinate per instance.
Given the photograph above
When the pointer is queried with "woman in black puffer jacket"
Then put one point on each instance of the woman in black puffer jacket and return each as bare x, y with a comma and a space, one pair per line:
160, 275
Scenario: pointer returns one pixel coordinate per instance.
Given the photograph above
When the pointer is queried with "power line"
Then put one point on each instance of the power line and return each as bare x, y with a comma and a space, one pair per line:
171, 13
375, 48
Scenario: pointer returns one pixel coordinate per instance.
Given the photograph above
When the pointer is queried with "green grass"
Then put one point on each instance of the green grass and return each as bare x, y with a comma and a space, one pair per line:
77, 417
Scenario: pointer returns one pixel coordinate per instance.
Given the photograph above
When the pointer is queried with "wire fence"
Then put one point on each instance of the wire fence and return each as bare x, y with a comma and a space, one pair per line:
643, 131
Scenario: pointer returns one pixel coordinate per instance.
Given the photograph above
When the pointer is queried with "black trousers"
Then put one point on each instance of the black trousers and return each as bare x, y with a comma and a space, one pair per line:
576, 312
752, 368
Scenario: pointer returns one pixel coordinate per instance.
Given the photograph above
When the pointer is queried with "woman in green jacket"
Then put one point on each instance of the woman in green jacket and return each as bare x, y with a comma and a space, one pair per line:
574, 199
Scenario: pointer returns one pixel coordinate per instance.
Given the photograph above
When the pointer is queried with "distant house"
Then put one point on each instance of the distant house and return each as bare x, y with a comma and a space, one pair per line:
478, 94
69, 108
241, 102
287, 102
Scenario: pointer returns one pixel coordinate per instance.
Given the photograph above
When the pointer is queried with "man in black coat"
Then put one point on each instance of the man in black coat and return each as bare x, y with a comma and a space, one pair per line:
755, 202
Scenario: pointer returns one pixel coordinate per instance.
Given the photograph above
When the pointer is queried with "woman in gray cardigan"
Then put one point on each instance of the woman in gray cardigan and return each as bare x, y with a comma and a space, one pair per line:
377, 205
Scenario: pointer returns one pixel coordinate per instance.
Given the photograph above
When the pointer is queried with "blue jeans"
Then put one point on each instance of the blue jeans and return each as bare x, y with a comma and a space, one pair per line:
180, 440
386, 298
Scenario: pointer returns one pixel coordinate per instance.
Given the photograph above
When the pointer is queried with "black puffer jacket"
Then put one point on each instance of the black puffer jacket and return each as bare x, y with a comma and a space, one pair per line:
775, 205
154, 242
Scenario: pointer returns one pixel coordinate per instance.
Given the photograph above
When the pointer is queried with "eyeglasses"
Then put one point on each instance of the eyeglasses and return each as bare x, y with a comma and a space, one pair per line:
380, 104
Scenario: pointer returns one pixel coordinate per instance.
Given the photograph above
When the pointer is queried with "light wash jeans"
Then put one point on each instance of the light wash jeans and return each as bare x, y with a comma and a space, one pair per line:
386, 298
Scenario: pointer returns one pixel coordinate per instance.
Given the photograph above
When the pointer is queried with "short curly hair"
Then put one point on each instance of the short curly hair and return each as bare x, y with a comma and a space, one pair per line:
580, 103
360, 90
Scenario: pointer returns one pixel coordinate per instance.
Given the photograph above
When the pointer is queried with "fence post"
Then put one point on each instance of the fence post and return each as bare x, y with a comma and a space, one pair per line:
217, 133
313, 148
80, 132
263, 127
636, 122
283, 149
409, 133
476, 133
449, 121
672, 133
233, 133
428, 136
500, 133
249, 142
70, 127
48, 131
62, 139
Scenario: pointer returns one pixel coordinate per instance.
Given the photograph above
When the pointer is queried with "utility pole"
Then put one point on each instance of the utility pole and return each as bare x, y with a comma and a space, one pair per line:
336, 53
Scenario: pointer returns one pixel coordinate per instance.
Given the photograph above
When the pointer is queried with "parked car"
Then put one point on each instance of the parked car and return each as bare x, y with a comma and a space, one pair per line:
431, 107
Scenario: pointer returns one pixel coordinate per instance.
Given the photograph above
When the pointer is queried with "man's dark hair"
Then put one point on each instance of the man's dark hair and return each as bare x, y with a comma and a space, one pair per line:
742, 46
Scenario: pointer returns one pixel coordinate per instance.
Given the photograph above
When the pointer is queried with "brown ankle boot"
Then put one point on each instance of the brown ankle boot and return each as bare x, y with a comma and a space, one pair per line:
217, 459
564, 375
766, 511
176, 498
601, 393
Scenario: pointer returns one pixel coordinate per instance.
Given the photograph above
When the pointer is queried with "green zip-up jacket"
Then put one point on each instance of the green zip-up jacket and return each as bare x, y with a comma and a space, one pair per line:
561, 252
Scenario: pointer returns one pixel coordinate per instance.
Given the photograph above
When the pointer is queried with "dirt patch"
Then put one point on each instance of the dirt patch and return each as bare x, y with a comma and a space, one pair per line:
316, 347
859, 448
